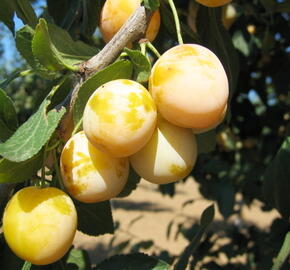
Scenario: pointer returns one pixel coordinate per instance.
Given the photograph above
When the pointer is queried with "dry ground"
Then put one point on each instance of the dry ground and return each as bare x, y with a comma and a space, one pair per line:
146, 213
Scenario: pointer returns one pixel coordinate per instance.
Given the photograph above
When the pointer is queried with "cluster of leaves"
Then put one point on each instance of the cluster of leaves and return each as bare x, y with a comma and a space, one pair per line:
239, 156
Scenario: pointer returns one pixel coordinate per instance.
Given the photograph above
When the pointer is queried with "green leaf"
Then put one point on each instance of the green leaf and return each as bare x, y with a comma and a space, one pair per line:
23, 10
207, 216
55, 49
276, 183
133, 180
206, 142
133, 261
141, 65
7, 111
24, 38
283, 253
241, 43
31, 136
91, 16
215, 37
13, 172
95, 218
78, 259
205, 220
119, 70
6, 132
151, 4
7, 13
225, 198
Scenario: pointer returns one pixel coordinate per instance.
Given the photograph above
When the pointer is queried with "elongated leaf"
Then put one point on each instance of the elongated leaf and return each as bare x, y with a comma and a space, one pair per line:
7, 111
95, 218
23, 10
141, 65
134, 261
6, 13
55, 49
91, 16
151, 4
205, 220
78, 259
119, 70
24, 38
283, 253
13, 172
276, 183
133, 180
5, 131
214, 36
30, 137
206, 142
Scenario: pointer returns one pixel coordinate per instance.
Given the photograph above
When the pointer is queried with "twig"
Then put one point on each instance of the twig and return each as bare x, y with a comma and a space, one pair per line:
133, 29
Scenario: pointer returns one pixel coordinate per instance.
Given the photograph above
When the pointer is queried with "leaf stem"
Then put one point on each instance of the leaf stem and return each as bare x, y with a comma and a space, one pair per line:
143, 48
153, 49
176, 20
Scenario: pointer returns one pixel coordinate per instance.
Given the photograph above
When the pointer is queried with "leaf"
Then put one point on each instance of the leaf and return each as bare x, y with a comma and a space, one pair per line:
55, 49
31, 136
207, 216
91, 16
206, 142
24, 38
151, 4
13, 172
119, 70
95, 218
141, 65
276, 184
205, 220
7, 111
133, 261
283, 253
7, 13
226, 198
241, 43
23, 10
78, 259
132, 182
215, 37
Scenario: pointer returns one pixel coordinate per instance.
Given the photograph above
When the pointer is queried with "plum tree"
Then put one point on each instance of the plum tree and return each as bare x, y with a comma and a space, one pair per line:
169, 155
90, 175
213, 3
190, 86
120, 117
116, 12
39, 224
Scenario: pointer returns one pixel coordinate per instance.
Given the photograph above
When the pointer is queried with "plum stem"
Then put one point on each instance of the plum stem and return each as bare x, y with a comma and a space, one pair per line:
176, 20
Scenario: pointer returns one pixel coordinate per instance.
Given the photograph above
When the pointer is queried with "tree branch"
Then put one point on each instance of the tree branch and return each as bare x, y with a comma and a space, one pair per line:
134, 28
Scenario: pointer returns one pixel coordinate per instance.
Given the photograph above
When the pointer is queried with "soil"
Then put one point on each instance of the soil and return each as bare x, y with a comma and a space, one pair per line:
146, 214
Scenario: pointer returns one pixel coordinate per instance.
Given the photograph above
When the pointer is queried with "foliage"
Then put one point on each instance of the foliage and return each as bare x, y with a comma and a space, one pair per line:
247, 154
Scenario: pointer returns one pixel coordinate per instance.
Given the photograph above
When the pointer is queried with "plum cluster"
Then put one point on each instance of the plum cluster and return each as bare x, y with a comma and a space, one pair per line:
124, 123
